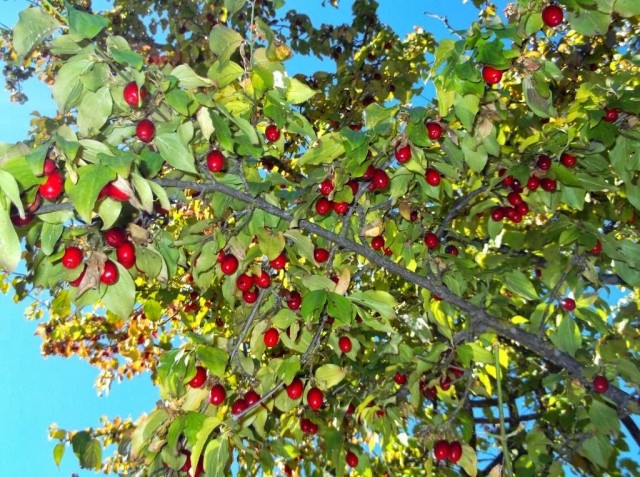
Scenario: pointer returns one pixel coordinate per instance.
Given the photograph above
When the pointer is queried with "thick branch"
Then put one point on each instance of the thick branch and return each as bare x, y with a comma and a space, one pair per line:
482, 320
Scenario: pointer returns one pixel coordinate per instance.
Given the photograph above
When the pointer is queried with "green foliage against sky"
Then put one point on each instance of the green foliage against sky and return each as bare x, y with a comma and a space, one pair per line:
328, 273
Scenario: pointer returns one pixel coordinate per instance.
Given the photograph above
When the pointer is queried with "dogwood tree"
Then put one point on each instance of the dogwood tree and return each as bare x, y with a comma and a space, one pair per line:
327, 274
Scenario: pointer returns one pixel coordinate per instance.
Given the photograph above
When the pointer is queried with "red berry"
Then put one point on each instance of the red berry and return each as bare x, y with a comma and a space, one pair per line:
320, 255
344, 343
514, 198
522, 208
250, 296
451, 250
112, 191
400, 379
610, 115
600, 384
549, 185
199, 378
354, 186
352, 459
279, 262
215, 161
271, 337
133, 95
457, 371
403, 154
315, 398
568, 304
77, 281
229, 264
126, 253
380, 179
445, 383
295, 301
48, 167
597, 248
431, 240
368, 174
53, 186
272, 133
115, 236
433, 177
251, 397
454, 452
263, 280
497, 214
377, 242
295, 389
508, 181
340, 208
326, 187
145, 130
491, 75
567, 160
110, 273
244, 282
308, 426
544, 162
441, 450
217, 395
513, 215
533, 183
239, 406
434, 130
552, 15
72, 257
323, 206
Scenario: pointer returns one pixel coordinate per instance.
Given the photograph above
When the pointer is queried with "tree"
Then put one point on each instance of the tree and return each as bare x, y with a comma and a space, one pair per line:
319, 273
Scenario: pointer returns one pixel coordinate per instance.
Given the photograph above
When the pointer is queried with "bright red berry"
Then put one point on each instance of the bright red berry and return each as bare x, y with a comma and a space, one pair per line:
491, 75
377, 242
400, 378
433, 177
115, 236
340, 208
251, 397
271, 337
239, 406
497, 214
326, 187
380, 179
514, 198
441, 450
610, 115
544, 162
263, 280
272, 133
320, 255
315, 398
244, 282
454, 452
250, 296
533, 183
134, 95
549, 185
72, 257
279, 262
597, 248
126, 253
48, 167
295, 389
344, 343
52, 188
434, 130
199, 378
110, 273
567, 160
552, 15
217, 394
568, 304
431, 240
229, 264
323, 206
352, 459
145, 130
215, 161
403, 154
295, 301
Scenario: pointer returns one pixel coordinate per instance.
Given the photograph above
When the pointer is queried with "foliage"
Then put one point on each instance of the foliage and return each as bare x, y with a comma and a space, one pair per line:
460, 326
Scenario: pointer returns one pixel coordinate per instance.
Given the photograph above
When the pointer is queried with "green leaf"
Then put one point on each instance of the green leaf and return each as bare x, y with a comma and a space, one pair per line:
187, 78
91, 179
329, 375
122, 52
540, 105
469, 460
58, 453
379, 118
224, 41
289, 368
9, 186
325, 150
313, 304
214, 359
598, 450
49, 237
573, 197
216, 457
298, 92
121, 296
94, 110
303, 244
604, 418
91, 458
517, 282
269, 244
223, 73
339, 308
466, 108
378, 300
222, 131
9, 242
567, 337
591, 21
33, 26
208, 425
474, 155
175, 152
627, 8
83, 25
68, 87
